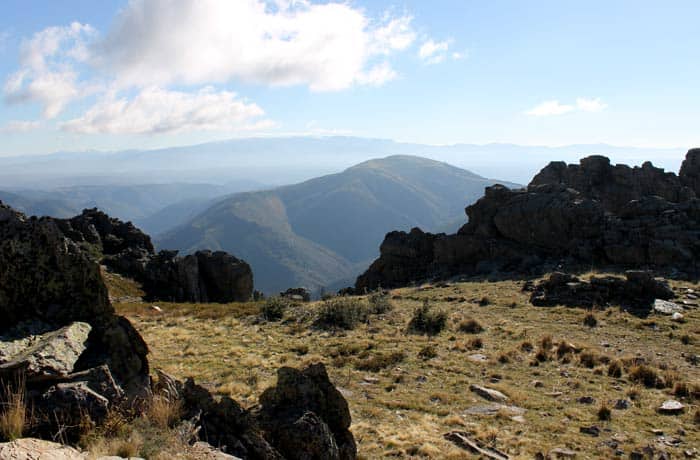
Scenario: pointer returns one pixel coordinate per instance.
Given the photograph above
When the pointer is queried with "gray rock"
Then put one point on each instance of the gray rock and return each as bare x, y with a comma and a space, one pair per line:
489, 394
671, 407
621, 404
37, 449
51, 355
667, 308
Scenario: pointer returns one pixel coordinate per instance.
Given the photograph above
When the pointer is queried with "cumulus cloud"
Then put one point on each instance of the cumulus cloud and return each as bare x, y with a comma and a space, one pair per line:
156, 110
19, 126
554, 107
154, 46
46, 74
326, 46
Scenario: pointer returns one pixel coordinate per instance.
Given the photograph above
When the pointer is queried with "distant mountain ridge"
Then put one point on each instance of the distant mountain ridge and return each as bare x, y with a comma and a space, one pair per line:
285, 160
322, 232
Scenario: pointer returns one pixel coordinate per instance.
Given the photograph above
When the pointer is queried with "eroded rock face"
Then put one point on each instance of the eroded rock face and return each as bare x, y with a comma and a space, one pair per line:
59, 331
593, 214
201, 277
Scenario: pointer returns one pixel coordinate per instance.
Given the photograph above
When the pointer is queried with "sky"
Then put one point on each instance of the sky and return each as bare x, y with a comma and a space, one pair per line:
112, 75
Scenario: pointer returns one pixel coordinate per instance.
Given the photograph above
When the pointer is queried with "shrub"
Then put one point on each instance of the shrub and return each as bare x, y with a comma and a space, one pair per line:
428, 352
564, 348
273, 309
476, 343
686, 339
696, 418
484, 301
13, 417
546, 342
590, 320
589, 359
681, 389
615, 369
341, 313
426, 321
526, 347
604, 412
470, 326
379, 361
645, 375
379, 302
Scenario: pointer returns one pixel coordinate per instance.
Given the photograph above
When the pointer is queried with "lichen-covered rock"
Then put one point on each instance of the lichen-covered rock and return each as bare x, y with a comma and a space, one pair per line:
59, 330
590, 214
37, 449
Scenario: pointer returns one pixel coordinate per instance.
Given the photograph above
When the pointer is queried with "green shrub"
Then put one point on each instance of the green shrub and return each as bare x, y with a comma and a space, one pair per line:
427, 321
341, 313
273, 309
379, 302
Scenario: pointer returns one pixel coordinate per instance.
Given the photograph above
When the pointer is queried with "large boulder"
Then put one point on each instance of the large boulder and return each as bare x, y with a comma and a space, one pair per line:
59, 332
590, 214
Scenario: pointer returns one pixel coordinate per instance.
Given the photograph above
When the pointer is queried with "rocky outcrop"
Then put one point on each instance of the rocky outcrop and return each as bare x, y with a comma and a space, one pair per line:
201, 277
636, 292
303, 417
593, 213
59, 331
204, 276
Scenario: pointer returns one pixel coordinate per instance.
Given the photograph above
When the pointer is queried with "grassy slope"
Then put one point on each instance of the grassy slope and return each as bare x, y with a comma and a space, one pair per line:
405, 412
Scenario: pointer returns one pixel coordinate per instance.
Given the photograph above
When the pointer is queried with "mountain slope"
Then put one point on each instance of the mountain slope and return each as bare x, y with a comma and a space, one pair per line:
323, 232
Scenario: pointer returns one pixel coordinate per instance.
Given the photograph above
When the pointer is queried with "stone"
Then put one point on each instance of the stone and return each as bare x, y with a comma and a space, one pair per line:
667, 308
671, 407
592, 430
37, 449
488, 393
284, 412
677, 317
204, 451
52, 355
478, 358
585, 400
621, 404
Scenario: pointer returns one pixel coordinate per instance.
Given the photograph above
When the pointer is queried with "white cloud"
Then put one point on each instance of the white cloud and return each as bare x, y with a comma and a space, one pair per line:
432, 52
46, 72
156, 110
590, 105
554, 107
19, 126
548, 108
327, 46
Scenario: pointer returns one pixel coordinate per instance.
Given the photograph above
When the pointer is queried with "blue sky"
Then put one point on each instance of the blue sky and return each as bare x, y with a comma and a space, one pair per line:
107, 75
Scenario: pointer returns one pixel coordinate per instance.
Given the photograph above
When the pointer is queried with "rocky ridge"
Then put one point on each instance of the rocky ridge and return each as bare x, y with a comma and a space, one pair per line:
592, 214
204, 276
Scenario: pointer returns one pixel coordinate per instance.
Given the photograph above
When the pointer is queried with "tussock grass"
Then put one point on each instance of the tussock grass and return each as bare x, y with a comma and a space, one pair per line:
14, 414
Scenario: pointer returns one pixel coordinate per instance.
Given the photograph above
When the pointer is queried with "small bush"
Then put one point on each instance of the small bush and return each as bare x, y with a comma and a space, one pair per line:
379, 302
546, 342
645, 375
681, 389
426, 321
273, 309
526, 347
590, 320
341, 313
615, 369
686, 339
484, 301
589, 359
541, 356
604, 412
476, 343
13, 417
564, 348
378, 361
696, 418
470, 326
428, 352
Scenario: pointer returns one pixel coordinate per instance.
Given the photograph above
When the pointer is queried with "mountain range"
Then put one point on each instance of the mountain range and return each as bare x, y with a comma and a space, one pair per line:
322, 232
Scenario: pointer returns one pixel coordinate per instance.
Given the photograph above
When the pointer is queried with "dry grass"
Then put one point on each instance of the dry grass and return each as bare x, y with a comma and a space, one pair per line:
409, 403
164, 412
14, 414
